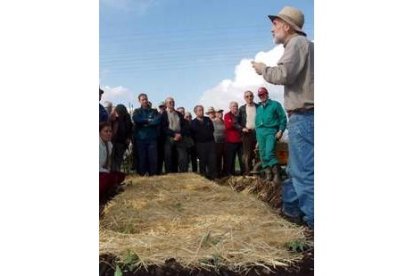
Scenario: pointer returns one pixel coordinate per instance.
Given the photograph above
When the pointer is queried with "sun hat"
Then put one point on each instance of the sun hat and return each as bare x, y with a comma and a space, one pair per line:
211, 110
294, 17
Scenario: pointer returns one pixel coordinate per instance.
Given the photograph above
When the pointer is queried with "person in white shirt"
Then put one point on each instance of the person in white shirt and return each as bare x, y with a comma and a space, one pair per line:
247, 116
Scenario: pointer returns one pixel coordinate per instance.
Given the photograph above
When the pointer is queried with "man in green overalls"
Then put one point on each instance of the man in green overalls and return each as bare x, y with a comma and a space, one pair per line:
270, 125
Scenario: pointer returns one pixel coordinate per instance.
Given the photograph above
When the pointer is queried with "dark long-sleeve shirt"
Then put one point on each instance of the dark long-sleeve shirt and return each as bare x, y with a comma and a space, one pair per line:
202, 130
123, 127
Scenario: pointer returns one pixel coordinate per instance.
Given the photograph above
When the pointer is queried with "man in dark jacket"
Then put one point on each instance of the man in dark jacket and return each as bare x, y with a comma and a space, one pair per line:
103, 115
247, 116
146, 122
202, 131
176, 133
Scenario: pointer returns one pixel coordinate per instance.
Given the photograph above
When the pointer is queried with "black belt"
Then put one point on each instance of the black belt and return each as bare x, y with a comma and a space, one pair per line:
299, 110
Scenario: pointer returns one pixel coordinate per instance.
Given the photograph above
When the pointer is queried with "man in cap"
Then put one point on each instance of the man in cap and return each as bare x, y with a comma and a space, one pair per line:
103, 114
294, 70
247, 117
270, 125
211, 112
161, 107
219, 139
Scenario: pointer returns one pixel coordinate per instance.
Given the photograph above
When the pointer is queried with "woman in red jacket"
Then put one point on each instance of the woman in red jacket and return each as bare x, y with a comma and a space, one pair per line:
233, 143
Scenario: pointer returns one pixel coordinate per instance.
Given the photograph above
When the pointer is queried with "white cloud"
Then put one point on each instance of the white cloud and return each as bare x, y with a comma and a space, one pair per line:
245, 78
117, 95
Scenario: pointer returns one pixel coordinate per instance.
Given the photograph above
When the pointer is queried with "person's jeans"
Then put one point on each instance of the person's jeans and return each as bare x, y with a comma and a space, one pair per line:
297, 191
147, 154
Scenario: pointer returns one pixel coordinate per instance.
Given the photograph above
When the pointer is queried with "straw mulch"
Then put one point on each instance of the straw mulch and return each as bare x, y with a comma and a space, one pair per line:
199, 224
266, 191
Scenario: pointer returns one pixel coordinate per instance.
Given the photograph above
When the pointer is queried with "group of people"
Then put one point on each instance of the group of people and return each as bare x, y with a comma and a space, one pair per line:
115, 128
168, 139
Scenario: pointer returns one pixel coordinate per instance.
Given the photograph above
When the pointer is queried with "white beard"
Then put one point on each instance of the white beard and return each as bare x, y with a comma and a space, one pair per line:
275, 41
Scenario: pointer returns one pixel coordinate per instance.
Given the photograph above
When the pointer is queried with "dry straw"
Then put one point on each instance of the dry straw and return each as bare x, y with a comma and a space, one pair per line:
198, 223
266, 191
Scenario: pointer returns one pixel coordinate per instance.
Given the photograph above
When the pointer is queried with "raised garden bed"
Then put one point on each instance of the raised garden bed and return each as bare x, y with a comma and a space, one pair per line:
183, 224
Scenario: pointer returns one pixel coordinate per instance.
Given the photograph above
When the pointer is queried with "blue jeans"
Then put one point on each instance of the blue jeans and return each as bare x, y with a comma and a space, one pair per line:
147, 157
297, 191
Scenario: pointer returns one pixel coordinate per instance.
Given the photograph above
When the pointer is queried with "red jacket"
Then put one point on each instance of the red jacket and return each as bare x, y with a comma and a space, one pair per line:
232, 128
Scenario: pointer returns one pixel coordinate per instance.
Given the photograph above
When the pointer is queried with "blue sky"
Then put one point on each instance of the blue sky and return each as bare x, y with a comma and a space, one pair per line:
181, 47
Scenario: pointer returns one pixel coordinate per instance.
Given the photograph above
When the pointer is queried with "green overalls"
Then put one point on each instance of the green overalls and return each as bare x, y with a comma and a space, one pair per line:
270, 118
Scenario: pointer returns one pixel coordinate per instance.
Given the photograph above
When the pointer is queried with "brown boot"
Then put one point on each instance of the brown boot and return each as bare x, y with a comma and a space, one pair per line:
276, 175
268, 173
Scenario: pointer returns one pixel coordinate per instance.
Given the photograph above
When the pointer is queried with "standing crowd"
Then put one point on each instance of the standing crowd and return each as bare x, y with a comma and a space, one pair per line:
169, 140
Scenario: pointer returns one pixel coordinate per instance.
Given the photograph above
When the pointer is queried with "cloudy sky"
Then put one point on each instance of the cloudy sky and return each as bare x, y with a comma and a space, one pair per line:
196, 51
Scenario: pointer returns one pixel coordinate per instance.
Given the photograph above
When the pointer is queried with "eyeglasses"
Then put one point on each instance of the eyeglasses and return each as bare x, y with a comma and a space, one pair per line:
262, 95
249, 96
